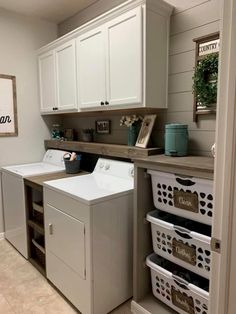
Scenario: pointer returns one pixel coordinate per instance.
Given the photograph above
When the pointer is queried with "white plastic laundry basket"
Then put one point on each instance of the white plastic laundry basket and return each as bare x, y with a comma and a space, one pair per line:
181, 295
176, 243
187, 197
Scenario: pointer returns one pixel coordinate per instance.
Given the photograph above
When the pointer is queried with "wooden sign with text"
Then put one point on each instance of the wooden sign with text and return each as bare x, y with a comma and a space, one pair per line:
186, 200
184, 252
208, 47
182, 301
8, 110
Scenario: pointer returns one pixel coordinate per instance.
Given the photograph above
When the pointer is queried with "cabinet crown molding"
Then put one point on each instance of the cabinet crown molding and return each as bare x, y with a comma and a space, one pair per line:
158, 6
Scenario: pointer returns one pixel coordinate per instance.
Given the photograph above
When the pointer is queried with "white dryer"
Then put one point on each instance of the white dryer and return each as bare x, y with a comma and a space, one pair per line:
88, 231
14, 195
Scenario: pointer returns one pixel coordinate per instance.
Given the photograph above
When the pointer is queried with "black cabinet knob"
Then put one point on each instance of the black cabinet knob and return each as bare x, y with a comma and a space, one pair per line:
102, 103
54, 108
106, 102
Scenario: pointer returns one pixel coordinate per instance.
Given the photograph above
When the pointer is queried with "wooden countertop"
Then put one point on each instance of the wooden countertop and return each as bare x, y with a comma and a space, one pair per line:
192, 165
40, 179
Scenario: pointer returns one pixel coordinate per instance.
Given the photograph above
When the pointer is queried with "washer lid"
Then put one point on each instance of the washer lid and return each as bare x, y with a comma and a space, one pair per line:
92, 188
27, 170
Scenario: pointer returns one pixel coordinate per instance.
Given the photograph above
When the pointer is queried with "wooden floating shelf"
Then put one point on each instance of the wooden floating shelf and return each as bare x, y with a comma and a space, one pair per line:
113, 150
110, 112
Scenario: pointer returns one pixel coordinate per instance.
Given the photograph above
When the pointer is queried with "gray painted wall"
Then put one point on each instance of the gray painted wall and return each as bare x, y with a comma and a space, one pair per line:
20, 37
190, 19
87, 14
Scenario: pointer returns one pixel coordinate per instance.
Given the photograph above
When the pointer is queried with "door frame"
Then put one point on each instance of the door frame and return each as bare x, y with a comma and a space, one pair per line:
223, 284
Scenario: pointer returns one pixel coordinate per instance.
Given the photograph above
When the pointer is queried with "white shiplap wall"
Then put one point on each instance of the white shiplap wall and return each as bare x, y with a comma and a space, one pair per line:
190, 19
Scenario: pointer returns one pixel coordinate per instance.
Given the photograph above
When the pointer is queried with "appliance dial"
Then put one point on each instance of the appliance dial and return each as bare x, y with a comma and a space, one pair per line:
101, 165
131, 172
107, 167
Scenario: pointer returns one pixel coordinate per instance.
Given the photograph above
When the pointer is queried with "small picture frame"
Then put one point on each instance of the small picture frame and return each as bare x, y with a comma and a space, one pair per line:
145, 131
103, 126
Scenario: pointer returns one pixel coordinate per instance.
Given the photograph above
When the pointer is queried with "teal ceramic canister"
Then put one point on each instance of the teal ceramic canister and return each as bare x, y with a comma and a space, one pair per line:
176, 139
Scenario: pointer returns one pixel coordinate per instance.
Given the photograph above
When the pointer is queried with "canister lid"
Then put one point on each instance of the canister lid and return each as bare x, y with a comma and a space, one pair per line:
176, 126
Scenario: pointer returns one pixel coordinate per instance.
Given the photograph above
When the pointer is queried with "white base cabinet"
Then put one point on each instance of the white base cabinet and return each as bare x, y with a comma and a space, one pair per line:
89, 250
121, 60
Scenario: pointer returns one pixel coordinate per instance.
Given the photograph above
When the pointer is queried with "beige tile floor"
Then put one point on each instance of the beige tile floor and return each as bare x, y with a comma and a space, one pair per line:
23, 290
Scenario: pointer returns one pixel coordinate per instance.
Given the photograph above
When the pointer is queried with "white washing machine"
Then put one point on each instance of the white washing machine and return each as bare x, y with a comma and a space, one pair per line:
14, 195
88, 232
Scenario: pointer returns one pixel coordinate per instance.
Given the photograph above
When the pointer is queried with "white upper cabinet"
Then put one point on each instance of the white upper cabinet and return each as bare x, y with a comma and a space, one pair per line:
91, 68
47, 81
66, 76
57, 78
124, 59
110, 63
118, 60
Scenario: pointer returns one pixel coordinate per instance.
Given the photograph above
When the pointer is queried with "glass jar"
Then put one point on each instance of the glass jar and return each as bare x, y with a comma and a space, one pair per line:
56, 132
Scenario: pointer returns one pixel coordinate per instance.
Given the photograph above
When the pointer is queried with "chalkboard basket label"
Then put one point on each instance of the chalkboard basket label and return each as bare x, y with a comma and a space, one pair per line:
182, 301
184, 252
186, 200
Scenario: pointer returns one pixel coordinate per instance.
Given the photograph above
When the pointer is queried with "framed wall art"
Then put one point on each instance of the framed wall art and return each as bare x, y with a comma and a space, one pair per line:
103, 126
205, 79
8, 109
145, 131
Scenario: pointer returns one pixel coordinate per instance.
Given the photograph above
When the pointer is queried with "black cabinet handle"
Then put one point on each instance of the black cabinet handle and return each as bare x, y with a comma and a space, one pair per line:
54, 108
106, 103
102, 103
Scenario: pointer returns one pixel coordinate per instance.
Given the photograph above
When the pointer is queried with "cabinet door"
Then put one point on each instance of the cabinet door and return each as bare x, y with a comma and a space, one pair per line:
47, 82
66, 76
65, 238
91, 69
124, 59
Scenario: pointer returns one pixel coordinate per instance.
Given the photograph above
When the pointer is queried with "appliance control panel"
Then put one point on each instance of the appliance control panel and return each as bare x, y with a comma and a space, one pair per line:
115, 168
55, 157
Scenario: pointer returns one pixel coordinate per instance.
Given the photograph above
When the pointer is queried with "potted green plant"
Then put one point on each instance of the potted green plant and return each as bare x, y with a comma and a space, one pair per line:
205, 81
87, 135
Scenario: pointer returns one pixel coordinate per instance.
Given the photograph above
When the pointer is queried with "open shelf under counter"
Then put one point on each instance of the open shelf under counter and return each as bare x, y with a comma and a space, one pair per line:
38, 266
194, 166
36, 226
35, 216
150, 305
114, 150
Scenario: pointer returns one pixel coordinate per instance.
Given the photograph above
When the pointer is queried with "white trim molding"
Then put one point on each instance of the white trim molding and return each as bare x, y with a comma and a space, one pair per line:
2, 236
223, 283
